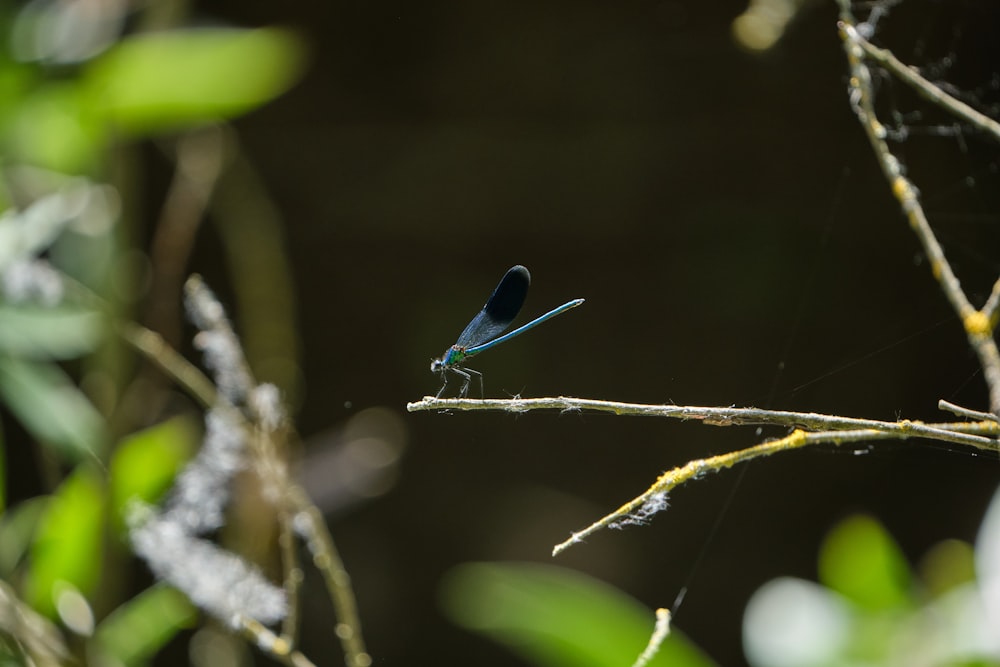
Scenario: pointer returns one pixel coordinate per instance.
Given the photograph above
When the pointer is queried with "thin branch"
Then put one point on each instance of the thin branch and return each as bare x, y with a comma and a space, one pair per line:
279, 648
992, 306
199, 160
310, 525
250, 227
929, 91
148, 343
963, 433
292, 579
966, 412
827, 429
979, 324
182, 371
660, 632
224, 355
653, 499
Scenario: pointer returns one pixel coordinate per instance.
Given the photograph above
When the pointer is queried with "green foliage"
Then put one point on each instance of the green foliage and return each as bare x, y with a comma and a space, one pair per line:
860, 560
69, 540
58, 123
145, 463
143, 86
556, 617
60, 332
52, 127
872, 609
52, 408
17, 531
3, 475
134, 632
162, 81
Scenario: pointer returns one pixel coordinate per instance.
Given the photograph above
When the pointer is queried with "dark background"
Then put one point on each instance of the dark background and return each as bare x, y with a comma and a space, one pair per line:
723, 216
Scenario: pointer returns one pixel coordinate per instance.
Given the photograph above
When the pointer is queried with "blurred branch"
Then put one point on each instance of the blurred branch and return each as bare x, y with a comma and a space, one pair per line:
309, 523
148, 343
265, 418
293, 578
261, 414
35, 636
198, 159
151, 345
272, 644
979, 324
251, 228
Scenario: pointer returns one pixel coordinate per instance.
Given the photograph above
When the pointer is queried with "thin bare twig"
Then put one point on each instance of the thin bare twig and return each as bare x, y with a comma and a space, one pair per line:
925, 88
660, 632
979, 324
992, 306
827, 429
966, 412
962, 433
639, 509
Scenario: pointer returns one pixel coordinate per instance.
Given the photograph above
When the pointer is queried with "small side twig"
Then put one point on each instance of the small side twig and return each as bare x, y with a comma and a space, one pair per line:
992, 306
151, 345
660, 632
270, 643
966, 412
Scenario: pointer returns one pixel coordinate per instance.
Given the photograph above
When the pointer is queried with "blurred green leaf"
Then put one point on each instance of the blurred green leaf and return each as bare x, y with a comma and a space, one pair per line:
860, 560
134, 632
50, 128
558, 618
16, 80
160, 81
17, 530
51, 407
3, 474
68, 545
62, 332
145, 463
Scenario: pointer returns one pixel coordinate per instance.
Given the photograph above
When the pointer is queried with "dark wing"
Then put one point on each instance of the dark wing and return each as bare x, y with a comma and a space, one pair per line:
500, 310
